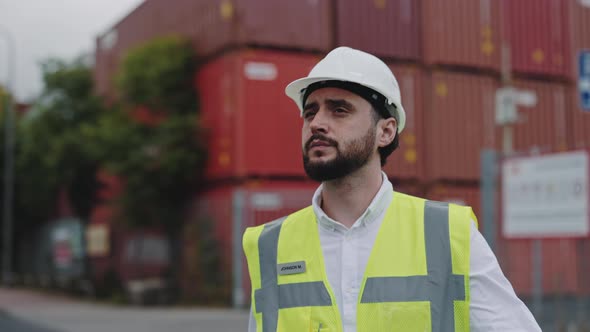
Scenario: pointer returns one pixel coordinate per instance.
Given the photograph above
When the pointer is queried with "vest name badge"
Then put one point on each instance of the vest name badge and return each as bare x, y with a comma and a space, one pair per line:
291, 268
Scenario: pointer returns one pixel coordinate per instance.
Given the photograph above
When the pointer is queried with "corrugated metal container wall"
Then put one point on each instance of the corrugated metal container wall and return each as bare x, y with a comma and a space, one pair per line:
255, 130
387, 28
106, 61
261, 202
462, 32
458, 194
409, 188
538, 34
580, 29
214, 25
560, 265
100, 71
408, 160
459, 123
543, 127
137, 27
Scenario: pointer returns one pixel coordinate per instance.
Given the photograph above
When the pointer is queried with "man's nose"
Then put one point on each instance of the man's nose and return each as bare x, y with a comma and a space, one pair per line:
319, 123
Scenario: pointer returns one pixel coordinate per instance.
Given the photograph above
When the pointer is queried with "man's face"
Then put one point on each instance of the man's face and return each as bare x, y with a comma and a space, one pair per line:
338, 134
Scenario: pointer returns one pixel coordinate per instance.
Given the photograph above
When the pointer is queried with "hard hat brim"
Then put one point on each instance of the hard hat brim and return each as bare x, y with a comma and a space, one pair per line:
295, 88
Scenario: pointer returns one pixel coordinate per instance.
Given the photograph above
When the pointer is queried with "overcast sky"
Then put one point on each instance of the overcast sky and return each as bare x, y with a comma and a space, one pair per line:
53, 28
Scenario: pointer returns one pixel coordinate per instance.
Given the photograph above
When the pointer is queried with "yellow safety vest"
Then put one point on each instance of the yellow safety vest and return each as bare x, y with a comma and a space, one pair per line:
417, 276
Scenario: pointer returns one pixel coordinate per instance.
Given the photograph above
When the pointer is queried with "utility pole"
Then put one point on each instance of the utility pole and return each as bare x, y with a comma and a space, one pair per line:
7, 206
508, 99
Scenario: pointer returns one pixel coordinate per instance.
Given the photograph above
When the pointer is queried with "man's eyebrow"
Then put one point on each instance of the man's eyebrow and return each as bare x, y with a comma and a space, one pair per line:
336, 103
311, 105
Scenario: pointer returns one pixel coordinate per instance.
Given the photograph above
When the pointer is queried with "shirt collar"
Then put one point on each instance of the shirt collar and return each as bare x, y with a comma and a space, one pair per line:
379, 203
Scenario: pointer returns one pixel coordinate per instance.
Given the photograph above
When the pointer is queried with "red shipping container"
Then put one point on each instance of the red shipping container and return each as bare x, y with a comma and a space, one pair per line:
408, 160
387, 28
101, 72
214, 26
538, 34
462, 33
409, 188
458, 194
251, 203
543, 127
254, 128
460, 121
560, 265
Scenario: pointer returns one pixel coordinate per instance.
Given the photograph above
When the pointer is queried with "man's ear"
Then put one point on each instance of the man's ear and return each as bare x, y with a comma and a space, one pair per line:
386, 130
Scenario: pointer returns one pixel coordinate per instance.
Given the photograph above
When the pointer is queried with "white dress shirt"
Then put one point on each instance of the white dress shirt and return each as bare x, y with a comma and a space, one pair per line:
494, 306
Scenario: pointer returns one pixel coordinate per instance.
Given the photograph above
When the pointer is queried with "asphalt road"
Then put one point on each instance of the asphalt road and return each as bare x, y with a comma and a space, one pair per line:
30, 311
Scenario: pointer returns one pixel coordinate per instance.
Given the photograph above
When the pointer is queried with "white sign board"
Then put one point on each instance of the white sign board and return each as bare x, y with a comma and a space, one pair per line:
546, 196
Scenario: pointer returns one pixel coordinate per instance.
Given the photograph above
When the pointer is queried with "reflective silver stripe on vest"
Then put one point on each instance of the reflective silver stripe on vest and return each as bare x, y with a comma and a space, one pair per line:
440, 287
271, 296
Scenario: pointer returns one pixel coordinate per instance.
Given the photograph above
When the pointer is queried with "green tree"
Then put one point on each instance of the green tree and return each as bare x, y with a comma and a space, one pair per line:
161, 161
161, 165
159, 75
53, 151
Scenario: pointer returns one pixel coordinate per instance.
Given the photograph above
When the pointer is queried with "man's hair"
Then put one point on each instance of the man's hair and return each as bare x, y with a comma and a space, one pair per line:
385, 151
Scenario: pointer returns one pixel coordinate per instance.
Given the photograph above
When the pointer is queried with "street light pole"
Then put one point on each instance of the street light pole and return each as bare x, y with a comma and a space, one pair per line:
8, 160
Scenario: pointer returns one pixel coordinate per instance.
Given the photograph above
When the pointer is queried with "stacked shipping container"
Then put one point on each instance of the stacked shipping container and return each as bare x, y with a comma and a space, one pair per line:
460, 114
561, 266
228, 210
214, 26
447, 57
538, 35
463, 33
408, 161
253, 128
389, 29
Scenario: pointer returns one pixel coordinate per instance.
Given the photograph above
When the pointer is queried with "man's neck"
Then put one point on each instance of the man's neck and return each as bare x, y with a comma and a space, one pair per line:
346, 199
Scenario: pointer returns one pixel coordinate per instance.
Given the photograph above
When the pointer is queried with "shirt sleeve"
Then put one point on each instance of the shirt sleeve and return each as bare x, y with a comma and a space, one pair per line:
251, 322
494, 305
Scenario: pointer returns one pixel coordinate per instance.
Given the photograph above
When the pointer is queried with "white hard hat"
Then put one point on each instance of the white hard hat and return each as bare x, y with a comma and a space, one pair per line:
350, 65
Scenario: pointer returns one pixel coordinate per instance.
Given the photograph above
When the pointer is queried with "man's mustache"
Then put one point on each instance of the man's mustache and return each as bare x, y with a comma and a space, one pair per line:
322, 138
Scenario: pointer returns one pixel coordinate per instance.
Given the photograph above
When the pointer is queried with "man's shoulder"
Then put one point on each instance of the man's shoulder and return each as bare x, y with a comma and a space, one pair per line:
286, 218
420, 200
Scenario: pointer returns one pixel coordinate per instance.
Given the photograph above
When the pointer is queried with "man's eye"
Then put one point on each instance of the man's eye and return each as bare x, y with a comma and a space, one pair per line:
308, 115
339, 110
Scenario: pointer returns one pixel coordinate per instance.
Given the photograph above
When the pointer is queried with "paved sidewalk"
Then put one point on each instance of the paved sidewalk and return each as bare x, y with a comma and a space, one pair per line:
31, 311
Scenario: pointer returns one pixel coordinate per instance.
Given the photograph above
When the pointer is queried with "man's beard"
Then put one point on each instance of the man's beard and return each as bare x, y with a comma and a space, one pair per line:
356, 156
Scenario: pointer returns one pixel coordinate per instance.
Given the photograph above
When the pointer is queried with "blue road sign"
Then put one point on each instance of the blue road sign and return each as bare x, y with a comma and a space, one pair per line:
584, 79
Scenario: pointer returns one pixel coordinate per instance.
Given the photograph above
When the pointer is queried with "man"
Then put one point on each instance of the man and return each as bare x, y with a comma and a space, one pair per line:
363, 257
